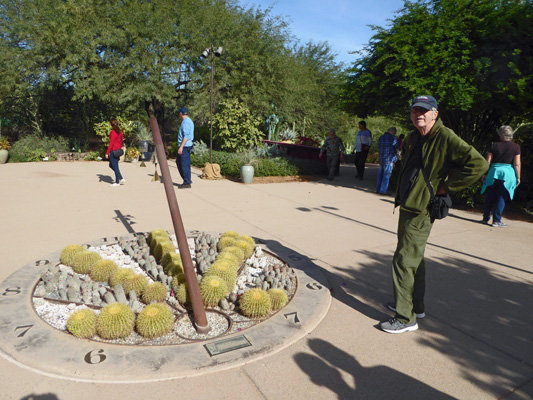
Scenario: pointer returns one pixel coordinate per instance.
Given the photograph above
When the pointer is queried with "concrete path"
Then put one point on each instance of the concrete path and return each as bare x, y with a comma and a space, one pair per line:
475, 343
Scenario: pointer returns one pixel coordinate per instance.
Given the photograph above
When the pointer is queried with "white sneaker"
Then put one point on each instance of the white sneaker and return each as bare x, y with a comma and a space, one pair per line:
115, 184
122, 181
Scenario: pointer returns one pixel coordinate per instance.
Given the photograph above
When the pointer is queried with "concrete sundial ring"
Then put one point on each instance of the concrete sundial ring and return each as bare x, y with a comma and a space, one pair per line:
28, 341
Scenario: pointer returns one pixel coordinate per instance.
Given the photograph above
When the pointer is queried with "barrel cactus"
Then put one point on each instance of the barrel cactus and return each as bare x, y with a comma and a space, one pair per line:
118, 277
69, 253
255, 303
154, 291
246, 246
155, 320
178, 280
84, 261
236, 251
157, 233
136, 282
182, 294
169, 258
82, 323
224, 242
174, 268
232, 234
227, 256
278, 298
163, 247
115, 321
212, 289
102, 270
225, 270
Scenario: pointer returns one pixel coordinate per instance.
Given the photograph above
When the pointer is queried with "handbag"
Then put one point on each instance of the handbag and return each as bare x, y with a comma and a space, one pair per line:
118, 153
439, 206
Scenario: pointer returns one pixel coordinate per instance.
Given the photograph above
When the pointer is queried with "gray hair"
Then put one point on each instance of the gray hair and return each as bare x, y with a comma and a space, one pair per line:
506, 132
392, 129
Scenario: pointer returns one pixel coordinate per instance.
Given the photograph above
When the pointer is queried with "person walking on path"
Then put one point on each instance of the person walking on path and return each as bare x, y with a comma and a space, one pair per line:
363, 141
185, 142
115, 143
388, 147
437, 150
503, 176
334, 149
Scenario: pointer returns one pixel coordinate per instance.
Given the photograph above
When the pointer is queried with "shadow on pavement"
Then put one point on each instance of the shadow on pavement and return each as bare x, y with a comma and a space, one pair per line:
326, 361
105, 178
478, 317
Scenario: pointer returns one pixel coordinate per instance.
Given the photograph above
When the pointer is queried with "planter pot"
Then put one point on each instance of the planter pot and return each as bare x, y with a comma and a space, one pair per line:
4, 155
147, 149
247, 173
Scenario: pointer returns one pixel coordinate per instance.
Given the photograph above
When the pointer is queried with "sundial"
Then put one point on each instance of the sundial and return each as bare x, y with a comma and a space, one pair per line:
30, 342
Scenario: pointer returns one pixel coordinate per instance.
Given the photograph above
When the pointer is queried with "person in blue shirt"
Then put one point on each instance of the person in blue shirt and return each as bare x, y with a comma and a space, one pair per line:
388, 147
185, 140
363, 141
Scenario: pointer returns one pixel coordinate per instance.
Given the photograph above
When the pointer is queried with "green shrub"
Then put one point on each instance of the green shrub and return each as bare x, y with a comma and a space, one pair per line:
34, 147
103, 128
237, 129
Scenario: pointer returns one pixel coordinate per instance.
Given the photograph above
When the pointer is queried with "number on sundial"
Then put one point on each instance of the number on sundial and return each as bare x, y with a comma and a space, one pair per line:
12, 291
26, 329
95, 358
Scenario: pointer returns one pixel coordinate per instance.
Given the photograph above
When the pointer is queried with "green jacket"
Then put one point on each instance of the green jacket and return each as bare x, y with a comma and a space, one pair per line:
449, 162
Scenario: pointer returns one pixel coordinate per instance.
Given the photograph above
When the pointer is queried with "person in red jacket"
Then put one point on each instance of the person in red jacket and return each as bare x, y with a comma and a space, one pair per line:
115, 143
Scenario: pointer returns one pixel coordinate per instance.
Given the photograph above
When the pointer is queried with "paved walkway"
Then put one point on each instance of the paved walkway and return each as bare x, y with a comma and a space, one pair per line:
475, 343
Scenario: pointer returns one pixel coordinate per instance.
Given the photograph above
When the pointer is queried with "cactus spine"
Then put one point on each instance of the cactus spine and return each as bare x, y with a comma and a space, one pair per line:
120, 274
84, 261
223, 269
212, 289
278, 298
255, 303
224, 242
170, 258
115, 321
82, 323
182, 294
136, 282
155, 320
155, 291
236, 251
102, 270
69, 253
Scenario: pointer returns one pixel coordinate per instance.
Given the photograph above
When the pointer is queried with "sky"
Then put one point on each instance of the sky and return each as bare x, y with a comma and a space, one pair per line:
342, 23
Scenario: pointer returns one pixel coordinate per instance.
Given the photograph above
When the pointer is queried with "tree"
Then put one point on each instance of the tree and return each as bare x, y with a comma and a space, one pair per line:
115, 58
474, 56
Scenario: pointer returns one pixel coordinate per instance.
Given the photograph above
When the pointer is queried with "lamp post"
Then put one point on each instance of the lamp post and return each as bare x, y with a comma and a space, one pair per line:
214, 52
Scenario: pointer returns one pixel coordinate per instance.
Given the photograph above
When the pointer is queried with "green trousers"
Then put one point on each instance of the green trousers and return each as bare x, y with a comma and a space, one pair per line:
408, 267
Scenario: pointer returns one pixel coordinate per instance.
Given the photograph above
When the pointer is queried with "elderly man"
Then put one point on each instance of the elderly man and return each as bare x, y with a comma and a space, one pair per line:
388, 147
185, 138
437, 150
334, 149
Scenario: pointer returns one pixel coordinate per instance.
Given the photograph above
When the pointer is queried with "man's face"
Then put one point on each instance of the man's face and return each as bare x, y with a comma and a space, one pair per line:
331, 134
361, 127
422, 118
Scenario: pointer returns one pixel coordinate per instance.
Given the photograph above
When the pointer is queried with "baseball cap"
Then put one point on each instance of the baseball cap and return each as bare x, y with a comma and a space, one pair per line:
183, 110
427, 102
